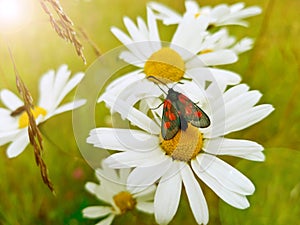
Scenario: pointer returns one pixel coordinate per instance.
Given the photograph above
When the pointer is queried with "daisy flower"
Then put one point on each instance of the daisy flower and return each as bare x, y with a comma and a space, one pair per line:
190, 154
117, 198
219, 15
54, 86
172, 61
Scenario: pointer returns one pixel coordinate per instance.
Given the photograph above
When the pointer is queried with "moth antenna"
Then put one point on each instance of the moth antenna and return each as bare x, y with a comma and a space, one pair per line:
158, 80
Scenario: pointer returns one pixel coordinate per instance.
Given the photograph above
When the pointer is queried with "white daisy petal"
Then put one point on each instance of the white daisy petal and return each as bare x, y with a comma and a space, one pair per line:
220, 57
10, 100
72, 83
107, 221
46, 98
195, 195
235, 91
187, 28
167, 196
134, 159
8, 136
96, 211
142, 177
145, 195
230, 197
247, 118
8, 123
153, 31
130, 58
226, 175
128, 42
18, 145
146, 207
164, 13
136, 117
122, 139
61, 78
67, 107
234, 147
91, 187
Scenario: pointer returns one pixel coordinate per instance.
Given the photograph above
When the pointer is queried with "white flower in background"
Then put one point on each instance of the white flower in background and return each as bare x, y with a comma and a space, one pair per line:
189, 154
219, 15
53, 88
185, 56
221, 40
117, 199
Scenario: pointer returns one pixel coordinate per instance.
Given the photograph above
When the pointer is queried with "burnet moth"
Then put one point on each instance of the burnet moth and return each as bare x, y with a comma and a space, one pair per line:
178, 111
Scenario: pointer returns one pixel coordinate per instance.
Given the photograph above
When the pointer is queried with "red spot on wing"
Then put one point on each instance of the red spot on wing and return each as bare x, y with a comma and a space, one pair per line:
167, 125
167, 104
182, 98
198, 114
188, 110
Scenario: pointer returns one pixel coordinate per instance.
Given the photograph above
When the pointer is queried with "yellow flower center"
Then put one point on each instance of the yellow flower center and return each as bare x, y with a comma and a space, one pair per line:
185, 145
124, 201
36, 112
165, 64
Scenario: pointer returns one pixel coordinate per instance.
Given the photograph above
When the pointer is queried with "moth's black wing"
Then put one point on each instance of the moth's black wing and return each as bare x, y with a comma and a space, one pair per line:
198, 118
192, 113
170, 123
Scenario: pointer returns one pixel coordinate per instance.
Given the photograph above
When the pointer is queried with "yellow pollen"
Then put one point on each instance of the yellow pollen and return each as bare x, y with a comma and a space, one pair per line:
197, 15
36, 112
165, 64
185, 145
206, 51
124, 201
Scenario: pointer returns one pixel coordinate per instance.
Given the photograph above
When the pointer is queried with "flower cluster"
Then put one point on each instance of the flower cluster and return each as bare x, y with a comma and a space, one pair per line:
53, 88
168, 146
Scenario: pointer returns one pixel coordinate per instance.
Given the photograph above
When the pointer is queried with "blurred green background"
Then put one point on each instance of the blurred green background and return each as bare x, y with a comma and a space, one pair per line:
271, 67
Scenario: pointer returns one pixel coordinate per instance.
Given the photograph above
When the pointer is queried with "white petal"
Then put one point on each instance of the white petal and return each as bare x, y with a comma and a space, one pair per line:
225, 174
146, 207
10, 100
187, 28
167, 196
235, 147
195, 195
135, 116
247, 118
142, 177
139, 38
153, 30
130, 58
167, 15
119, 84
96, 211
91, 187
230, 197
220, 57
123, 175
146, 195
46, 98
72, 83
9, 136
134, 159
61, 78
107, 221
18, 145
67, 107
235, 91
8, 123
122, 139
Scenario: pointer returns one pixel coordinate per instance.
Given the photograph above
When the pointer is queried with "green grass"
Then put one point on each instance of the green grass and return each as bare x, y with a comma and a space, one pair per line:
271, 67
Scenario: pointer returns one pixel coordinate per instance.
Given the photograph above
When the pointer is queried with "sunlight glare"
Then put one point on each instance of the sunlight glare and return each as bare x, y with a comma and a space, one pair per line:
13, 14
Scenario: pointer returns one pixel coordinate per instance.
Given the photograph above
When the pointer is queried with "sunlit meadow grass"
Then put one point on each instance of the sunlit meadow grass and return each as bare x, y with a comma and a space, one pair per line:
272, 67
